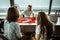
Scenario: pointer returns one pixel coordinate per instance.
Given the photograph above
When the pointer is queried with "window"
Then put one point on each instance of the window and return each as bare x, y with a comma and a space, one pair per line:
4, 5
36, 4
55, 6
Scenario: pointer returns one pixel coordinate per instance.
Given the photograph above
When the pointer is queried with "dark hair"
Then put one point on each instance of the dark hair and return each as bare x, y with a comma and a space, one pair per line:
46, 24
29, 5
12, 14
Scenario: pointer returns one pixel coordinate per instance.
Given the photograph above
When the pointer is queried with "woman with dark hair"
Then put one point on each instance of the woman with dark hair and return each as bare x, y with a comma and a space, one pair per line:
44, 29
11, 28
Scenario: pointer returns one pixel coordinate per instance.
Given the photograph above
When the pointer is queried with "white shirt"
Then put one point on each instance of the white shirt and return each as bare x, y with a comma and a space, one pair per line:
28, 14
38, 30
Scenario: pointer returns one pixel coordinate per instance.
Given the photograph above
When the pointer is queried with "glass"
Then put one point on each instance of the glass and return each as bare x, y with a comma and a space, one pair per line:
37, 5
55, 5
4, 5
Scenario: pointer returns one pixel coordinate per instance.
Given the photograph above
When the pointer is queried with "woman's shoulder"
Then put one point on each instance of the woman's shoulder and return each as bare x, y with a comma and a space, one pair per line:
10, 22
37, 25
5, 21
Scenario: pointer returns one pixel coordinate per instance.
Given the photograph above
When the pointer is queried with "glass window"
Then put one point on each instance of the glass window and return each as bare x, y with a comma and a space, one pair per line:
55, 6
36, 4
4, 5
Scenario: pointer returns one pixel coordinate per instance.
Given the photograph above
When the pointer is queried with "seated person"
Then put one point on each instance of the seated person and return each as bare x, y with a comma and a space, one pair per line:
11, 28
28, 12
44, 28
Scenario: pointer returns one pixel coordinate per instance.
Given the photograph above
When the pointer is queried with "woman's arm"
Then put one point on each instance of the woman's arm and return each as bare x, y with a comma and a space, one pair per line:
37, 37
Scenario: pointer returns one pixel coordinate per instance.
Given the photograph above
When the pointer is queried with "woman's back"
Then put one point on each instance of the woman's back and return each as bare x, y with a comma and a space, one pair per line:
11, 30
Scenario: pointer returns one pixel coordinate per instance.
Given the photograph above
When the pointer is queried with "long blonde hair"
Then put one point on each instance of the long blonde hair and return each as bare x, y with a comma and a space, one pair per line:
43, 20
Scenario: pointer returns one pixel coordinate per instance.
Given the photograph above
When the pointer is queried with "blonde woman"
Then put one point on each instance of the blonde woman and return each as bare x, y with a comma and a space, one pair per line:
44, 28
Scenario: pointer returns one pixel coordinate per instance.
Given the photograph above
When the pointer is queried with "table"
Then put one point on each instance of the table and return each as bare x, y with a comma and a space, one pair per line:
26, 26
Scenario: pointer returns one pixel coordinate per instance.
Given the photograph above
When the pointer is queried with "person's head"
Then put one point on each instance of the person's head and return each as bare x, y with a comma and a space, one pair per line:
29, 8
12, 14
42, 19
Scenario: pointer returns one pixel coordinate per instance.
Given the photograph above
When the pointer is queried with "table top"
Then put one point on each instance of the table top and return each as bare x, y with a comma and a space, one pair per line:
27, 21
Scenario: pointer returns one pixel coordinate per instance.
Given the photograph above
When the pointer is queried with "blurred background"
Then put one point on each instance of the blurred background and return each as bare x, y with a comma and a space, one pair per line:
48, 6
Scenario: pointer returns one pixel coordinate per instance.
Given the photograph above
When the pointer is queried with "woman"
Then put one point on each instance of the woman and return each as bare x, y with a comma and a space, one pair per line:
44, 29
11, 28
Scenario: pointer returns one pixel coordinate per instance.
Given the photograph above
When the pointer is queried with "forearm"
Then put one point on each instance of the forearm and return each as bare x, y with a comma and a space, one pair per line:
37, 37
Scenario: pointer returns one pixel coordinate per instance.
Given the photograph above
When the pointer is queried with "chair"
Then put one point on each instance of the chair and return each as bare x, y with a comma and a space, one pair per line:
57, 33
1, 25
